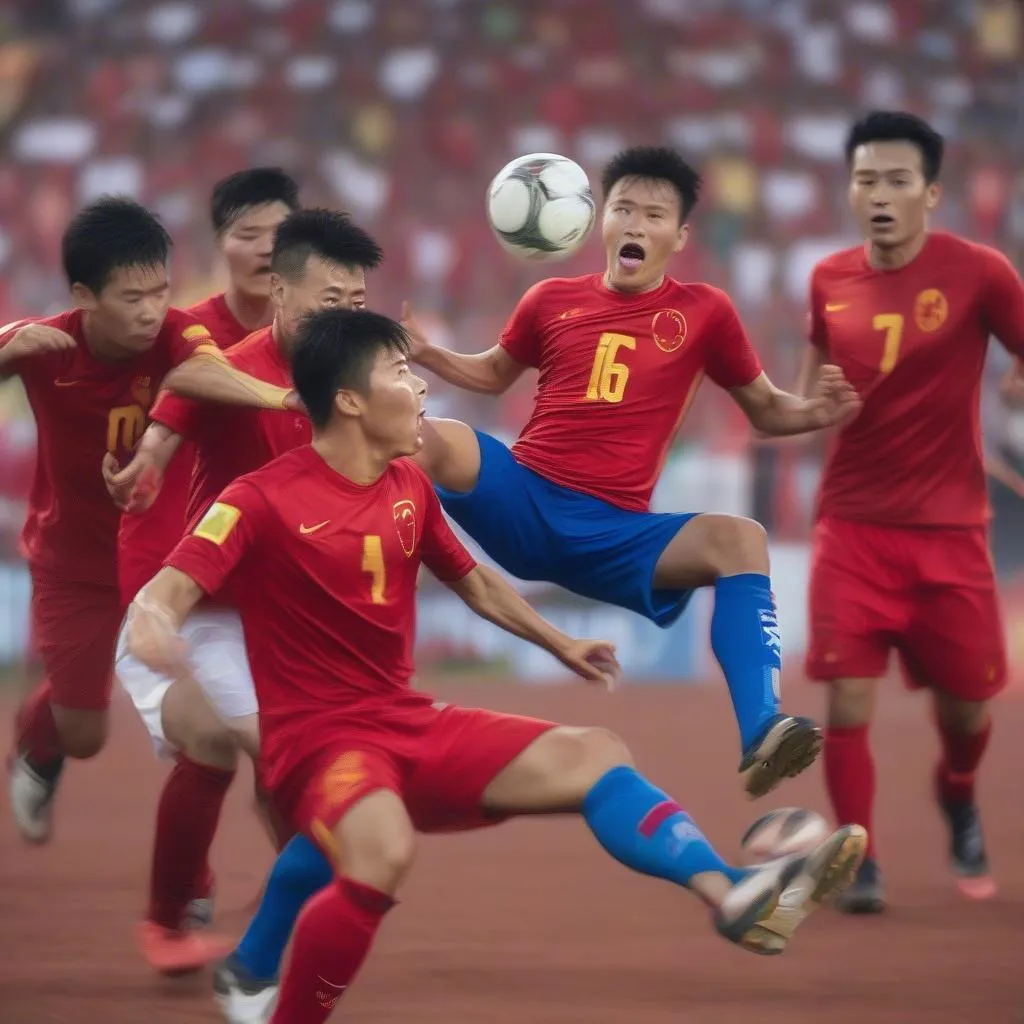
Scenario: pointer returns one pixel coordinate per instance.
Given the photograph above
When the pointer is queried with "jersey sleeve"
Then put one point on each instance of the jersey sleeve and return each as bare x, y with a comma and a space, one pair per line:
521, 336
441, 551
731, 361
182, 415
1003, 301
189, 337
223, 537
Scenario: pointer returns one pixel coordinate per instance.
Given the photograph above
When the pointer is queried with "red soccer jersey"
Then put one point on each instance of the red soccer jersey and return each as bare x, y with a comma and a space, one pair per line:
144, 541
617, 375
912, 341
230, 440
84, 407
326, 572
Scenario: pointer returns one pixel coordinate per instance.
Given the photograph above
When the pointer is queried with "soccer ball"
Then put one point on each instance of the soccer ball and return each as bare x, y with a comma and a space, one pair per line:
540, 207
779, 833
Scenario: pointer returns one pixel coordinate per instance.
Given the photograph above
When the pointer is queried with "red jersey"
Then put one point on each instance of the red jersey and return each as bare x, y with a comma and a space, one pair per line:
230, 440
326, 570
84, 407
617, 375
145, 540
912, 341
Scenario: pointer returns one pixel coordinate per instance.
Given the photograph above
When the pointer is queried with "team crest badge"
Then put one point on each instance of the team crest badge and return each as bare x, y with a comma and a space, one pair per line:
668, 329
405, 524
141, 390
930, 310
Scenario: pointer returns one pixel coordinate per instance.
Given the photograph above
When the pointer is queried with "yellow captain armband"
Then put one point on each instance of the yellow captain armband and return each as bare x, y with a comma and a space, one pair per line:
196, 331
218, 523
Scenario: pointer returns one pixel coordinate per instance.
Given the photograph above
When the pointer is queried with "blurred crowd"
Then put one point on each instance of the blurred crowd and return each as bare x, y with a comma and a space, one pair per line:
402, 111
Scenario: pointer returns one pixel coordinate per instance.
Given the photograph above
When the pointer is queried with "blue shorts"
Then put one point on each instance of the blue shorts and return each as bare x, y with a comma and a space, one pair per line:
538, 530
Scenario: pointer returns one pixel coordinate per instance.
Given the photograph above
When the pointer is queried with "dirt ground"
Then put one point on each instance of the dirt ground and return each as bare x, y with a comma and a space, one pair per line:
531, 922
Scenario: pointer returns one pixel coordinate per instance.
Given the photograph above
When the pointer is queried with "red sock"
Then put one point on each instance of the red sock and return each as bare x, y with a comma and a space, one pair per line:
332, 937
961, 755
186, 821
35, 730
850, 777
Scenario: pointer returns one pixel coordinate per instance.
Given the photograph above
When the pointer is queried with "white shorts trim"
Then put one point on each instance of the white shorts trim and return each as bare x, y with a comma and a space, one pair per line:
220, 663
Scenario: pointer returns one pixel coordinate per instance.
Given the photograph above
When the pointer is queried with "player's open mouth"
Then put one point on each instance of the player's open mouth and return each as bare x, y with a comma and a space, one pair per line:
882, 220
631, 255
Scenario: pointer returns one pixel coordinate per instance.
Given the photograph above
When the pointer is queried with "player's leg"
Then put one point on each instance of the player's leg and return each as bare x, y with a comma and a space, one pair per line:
450, 455
730, 553
360, 821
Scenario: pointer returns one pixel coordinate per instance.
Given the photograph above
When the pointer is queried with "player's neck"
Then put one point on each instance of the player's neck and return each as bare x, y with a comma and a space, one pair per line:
99, 345
348, 454
897, 256
251, 311
608, 281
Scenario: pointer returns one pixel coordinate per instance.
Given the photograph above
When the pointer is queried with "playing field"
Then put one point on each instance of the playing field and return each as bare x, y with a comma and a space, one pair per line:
531, 922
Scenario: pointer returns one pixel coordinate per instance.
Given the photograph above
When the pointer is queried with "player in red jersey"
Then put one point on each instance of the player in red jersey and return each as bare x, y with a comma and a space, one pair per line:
245, 210
90, 374
621, 355
322, 548
319, 260
901, 557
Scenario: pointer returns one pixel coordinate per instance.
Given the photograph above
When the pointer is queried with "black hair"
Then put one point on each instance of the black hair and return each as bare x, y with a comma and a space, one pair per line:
335, 351
111, 233
328, 234
899, 126
241, 191
657, 163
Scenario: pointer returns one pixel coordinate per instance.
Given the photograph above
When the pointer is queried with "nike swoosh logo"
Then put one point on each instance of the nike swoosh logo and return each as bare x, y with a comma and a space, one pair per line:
835, 307
66, 383
304, 529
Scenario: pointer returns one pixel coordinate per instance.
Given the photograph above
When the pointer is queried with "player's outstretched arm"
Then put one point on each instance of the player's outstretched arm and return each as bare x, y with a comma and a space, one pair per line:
494, 599
492, 372
208, 377
134, 488
24, 342
777, 413
155, 617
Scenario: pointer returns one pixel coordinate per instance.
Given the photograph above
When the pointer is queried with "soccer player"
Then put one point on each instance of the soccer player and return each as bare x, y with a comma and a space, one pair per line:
901, 557
319, 260
322, 547
90, 375
621, 355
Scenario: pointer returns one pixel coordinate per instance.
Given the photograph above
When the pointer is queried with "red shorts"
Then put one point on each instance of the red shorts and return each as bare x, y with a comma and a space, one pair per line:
928, 593
438, 758
75, 627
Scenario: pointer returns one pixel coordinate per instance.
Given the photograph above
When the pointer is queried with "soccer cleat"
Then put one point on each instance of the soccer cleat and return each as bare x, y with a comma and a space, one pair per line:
172, 952
967, 855
242, 997
867, 894
761, 912
32, 789
787, 747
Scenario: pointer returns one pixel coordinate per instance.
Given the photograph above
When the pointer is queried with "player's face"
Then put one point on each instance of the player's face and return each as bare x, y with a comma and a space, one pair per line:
641, 230
247, 243
130, 309
889, 194
394, 407
323, 285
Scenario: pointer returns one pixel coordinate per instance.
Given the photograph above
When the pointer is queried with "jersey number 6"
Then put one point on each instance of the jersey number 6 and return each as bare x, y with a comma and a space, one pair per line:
608, 378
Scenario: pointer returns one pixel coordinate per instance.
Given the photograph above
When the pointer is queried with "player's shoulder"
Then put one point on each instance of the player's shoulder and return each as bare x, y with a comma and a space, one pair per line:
69, 321
840, 262
695, 293
555, 291
407, 472
252, 350
944, 248
274, 482
180, 323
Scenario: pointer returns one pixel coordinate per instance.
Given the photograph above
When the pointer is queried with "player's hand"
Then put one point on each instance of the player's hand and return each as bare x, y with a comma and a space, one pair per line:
293, 403
834, 400
594, 661
134, 488
38, 340
153, 639
418, 340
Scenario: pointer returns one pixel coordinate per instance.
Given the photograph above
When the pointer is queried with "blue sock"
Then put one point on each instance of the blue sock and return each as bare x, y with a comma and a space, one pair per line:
643, 828
746, 642
299, 871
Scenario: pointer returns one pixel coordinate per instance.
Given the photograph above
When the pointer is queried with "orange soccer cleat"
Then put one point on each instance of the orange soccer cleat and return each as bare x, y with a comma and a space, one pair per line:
172, 952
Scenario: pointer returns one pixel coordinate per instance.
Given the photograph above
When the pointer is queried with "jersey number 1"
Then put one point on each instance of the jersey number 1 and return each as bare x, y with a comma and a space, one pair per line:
373, 564
892, 324
608, 378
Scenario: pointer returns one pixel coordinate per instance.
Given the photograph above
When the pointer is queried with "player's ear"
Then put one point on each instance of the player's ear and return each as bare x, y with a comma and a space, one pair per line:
85, 298
681, 237
277, 289
349, 403
932, 195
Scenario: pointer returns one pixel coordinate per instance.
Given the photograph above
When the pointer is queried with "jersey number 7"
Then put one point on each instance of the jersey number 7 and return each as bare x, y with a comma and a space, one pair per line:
608, 378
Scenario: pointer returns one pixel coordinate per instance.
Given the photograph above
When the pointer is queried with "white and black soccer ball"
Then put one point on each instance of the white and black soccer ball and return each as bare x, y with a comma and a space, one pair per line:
540, 207
783, 832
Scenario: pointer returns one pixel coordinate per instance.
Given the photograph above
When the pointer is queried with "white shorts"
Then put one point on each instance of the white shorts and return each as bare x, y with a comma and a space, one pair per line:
216, 648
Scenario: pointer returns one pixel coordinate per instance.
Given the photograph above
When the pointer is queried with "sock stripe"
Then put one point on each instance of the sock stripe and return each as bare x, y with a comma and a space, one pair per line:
656, 816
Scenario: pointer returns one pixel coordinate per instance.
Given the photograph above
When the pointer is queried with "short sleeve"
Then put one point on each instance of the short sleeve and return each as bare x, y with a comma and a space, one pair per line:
182, 415
521, 336
1003, 301
816, 332
441, 551
223, 537
731, 361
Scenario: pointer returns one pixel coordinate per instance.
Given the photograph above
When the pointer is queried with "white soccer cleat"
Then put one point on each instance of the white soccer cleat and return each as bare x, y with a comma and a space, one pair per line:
31, 800
242, 998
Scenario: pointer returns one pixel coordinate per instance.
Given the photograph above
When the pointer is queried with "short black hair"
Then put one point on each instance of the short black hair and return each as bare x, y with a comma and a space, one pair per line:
656, 162
335, 350
241, 191
111, 233
899, 126
328, 234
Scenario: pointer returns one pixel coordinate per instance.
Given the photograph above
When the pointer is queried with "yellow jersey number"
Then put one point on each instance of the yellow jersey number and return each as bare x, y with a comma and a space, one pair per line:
892, 324
125, 425
607, 377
